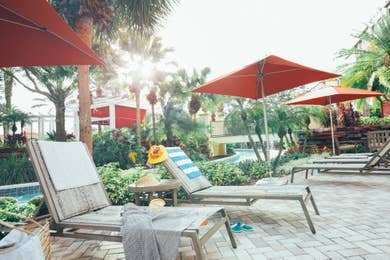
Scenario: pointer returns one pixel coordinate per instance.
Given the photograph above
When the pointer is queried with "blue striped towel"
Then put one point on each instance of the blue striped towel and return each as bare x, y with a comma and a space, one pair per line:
184, 162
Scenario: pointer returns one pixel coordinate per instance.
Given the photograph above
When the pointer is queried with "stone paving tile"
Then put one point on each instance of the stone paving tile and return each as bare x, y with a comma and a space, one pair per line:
354, 224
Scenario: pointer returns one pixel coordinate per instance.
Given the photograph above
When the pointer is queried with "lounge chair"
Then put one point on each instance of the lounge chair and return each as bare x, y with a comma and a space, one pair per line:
382, 152
200, 191
79, 205
348, 165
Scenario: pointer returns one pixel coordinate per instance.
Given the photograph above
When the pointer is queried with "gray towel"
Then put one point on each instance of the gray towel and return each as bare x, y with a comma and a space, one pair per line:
154, 235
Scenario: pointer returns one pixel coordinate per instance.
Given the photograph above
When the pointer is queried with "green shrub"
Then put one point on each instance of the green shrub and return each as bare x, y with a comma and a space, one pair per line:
374, 121
36, 201
117, 181
258, 170
115, 146
15, 170
285, 158
221, 173
246, 166
229, 149
162, 172
11, 205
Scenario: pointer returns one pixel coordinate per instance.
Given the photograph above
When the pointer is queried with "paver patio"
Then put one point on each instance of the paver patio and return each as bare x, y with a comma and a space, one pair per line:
354, 224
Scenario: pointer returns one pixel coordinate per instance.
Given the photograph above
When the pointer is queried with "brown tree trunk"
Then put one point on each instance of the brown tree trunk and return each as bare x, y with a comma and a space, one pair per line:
138, 114
262, 145
60, 121
154, 125
254, 147
279, 154
84, 29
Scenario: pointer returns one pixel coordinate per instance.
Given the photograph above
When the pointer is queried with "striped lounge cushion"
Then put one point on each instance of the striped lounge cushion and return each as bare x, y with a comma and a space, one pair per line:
184, 162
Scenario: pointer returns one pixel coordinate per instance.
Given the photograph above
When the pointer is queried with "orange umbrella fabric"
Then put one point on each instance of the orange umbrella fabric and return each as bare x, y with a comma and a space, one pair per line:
262, 78
276, 74
329, 95
33, 34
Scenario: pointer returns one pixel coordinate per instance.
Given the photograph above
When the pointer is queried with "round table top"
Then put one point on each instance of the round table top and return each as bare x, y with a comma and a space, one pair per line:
163, 186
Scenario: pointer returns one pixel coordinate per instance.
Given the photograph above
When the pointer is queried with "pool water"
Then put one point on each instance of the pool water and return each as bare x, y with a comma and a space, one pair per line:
26, 197
248, 154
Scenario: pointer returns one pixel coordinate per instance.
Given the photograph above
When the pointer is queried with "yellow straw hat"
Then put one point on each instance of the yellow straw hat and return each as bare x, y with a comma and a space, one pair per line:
157, 154
147, 180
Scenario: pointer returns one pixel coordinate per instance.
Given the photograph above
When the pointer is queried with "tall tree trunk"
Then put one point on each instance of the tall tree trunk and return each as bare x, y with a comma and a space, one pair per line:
154, 125
138, 114
60, 121
250, 138
291, 137
279, 154
84, 29
261, 141
8, 83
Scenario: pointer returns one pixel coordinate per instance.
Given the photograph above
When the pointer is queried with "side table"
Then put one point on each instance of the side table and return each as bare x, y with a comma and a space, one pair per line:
164, 186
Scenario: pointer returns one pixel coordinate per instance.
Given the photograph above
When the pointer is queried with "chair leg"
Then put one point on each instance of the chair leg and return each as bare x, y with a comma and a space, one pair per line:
313, 203
308, 219
199, 253
292, 176
228, 228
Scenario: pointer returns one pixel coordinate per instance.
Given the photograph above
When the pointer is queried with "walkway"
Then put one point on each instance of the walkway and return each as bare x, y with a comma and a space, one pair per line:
354, 224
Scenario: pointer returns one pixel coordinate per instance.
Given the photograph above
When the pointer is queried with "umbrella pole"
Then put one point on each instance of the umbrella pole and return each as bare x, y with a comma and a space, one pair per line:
266, 129
331, 124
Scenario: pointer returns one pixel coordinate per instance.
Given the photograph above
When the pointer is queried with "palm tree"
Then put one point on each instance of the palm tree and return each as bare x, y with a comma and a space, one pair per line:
244, 117
136, 55
194, 106
8, 84
152, 99
371, 66
104, 18
52, 85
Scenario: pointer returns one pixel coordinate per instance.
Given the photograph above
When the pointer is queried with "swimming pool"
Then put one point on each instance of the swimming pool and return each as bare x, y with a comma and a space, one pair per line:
247, 154
26, 197
22, 192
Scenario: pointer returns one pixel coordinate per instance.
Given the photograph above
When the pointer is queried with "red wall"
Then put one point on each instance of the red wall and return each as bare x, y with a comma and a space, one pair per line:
126, 116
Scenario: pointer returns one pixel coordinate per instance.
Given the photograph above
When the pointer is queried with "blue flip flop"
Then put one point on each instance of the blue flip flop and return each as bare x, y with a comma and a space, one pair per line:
236, 227
246, 227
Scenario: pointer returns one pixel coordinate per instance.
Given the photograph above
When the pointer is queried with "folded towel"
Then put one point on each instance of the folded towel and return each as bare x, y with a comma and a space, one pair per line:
154, 234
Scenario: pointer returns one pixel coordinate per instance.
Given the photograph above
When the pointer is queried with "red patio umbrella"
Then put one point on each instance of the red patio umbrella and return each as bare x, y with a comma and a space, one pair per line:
262, 78
329, 95
33, 34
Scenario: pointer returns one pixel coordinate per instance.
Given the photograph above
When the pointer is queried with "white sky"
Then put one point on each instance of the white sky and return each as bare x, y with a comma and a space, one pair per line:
228, 34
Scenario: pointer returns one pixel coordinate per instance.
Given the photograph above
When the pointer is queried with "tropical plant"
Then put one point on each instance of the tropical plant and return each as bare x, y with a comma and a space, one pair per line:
54, 83
12, 205
194, 105
116, 146
104, 19
370, 68
11, 116
222, 174
152, 99
15, 170
116, 181
244, 118
374, 121
7, 88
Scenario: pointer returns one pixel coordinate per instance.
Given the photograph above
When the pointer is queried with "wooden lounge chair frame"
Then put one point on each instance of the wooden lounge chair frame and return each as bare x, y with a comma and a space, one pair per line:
382, 154
235, 195
372, 164
73, 228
